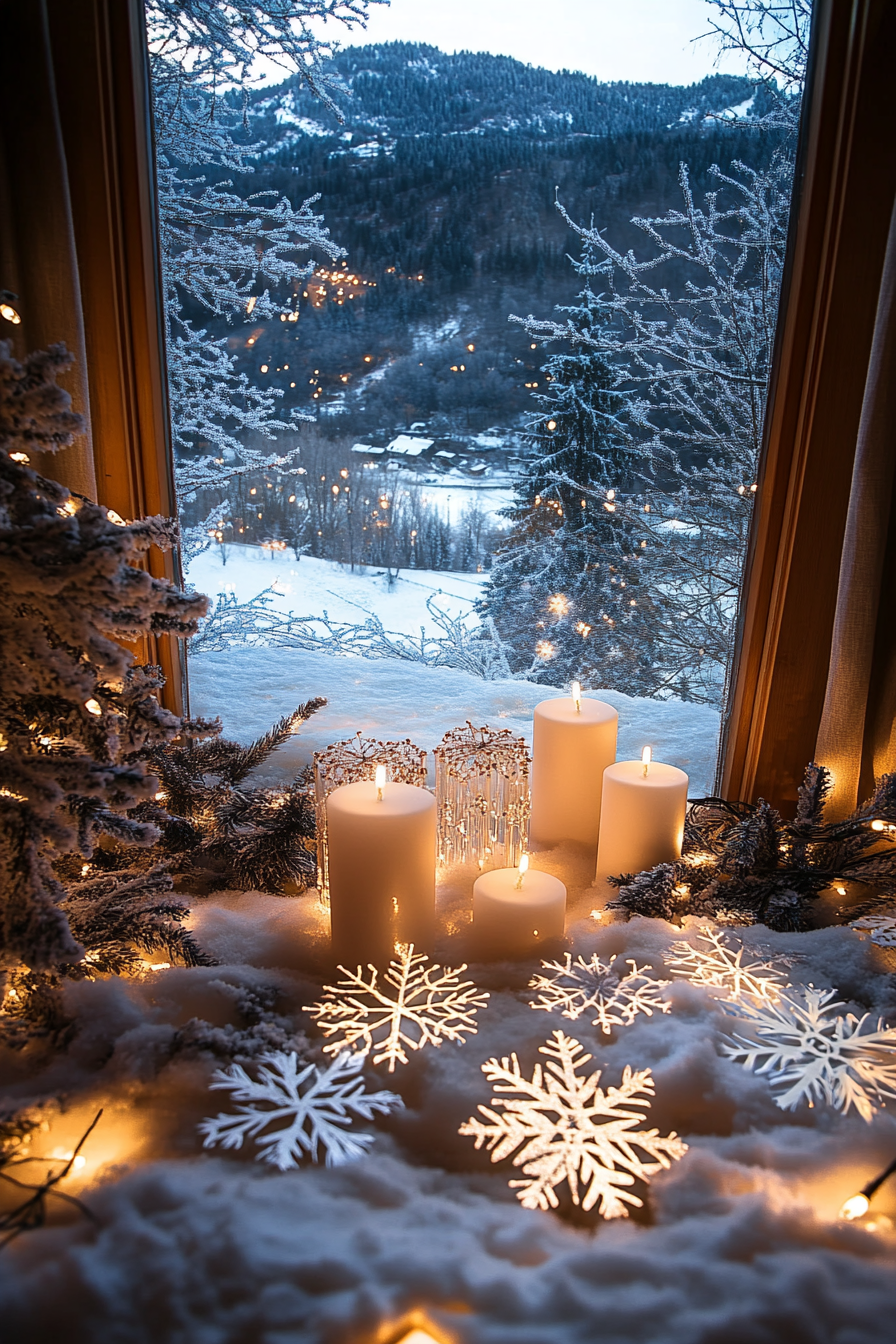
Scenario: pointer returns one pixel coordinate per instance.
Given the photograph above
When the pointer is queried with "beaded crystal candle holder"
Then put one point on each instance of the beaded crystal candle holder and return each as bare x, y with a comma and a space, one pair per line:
348, 762
482, 796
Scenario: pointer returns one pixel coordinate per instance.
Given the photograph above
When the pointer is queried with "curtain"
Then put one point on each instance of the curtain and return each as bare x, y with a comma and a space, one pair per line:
38, 257
857, 734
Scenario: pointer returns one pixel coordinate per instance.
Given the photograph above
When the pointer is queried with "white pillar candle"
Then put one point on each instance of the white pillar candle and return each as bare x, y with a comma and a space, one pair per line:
515, 909
573, 742
642, 817
381, 840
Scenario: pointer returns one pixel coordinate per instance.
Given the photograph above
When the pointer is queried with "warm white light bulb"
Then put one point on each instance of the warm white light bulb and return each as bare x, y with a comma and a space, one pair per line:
380, 780
93, 706
577, 695
646, 756
855, 1207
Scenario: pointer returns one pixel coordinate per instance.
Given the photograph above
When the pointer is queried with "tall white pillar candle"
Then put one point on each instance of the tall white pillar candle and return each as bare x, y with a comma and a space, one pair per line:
514, 911
573, 742
382, 865
642, 817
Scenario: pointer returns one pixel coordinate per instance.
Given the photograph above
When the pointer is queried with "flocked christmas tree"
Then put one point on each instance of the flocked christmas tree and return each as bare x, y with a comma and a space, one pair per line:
565, 584
75, 710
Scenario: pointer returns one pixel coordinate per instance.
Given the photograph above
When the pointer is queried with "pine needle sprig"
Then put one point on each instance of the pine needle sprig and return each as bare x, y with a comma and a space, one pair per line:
218, 831
745, 864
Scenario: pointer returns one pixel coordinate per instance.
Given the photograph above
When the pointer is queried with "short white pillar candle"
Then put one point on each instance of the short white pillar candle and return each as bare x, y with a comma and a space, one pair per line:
573, 742
382, 864
642, 817
515, 909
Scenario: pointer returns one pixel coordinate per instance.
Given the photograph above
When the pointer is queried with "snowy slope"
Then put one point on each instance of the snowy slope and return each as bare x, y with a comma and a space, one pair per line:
309, 587
250, 688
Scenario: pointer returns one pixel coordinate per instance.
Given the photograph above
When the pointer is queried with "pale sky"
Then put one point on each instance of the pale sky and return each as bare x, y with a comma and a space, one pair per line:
639, 40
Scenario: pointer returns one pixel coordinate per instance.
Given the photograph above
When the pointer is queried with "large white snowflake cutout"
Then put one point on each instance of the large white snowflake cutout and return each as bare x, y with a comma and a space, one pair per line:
566, 1128
412, 1006
576, 987
719, 964
880, 928
810, 1051
318, 1106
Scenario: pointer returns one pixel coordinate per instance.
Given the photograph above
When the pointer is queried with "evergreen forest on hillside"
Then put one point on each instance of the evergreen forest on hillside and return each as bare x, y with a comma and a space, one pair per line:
440, 186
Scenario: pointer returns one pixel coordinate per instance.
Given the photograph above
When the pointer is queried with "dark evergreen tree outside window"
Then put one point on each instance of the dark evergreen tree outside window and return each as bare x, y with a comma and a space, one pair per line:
564, 591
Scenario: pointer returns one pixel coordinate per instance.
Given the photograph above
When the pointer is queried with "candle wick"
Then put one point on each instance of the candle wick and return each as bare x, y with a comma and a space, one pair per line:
517, 886
646, 769
379, 792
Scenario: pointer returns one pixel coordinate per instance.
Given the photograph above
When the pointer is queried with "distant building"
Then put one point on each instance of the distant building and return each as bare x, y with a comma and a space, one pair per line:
408, 445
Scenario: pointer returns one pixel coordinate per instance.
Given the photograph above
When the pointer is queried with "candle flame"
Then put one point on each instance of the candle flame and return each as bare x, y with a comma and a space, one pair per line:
522, 870
577, 696
380, 780
646, 755
855, 1207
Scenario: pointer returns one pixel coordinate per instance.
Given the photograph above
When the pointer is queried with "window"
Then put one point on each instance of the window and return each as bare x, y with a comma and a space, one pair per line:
430, 511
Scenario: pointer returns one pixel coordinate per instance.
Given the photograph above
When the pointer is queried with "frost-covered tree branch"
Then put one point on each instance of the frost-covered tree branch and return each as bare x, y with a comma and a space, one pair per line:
223, 252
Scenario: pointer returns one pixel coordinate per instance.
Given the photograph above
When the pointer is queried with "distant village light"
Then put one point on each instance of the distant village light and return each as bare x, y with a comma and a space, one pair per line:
552, 425
471, 347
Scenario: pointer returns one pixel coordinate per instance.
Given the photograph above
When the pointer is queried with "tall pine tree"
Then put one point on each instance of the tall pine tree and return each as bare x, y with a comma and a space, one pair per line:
564, 586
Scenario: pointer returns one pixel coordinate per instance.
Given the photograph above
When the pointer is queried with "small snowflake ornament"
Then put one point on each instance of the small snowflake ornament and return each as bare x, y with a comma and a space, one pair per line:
810, 1051
577, 987
414, 1005
719, 963
881, 929
316, 1105
566, 1128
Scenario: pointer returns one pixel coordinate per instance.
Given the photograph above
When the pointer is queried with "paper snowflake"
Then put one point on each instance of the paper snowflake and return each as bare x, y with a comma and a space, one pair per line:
318, 1106
576, 987
719, 964
880, 928
414, 1005
810, 1051
566, 1128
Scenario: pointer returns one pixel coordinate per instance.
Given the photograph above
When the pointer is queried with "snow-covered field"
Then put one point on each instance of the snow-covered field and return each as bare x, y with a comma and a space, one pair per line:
453, 493
308, 587
250, 688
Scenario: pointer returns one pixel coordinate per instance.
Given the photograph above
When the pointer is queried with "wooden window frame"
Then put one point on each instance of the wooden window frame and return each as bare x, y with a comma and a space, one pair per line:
846, 179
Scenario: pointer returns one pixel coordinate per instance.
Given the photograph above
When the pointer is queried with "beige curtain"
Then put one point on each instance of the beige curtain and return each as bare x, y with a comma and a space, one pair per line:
857, 734
38, 259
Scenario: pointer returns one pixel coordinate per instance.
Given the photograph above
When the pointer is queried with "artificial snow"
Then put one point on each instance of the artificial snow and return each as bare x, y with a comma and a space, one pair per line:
739, 1242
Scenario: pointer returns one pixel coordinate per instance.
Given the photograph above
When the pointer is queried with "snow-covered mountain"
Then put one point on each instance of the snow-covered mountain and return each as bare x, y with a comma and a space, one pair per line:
403, 89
